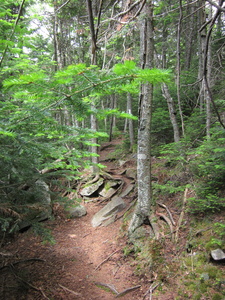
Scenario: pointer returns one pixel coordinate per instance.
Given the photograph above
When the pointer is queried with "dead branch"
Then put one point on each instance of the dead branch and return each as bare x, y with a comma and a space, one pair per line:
168, 211
109, 286
105, 260
131, 289
168, 222
181, 214
68, 290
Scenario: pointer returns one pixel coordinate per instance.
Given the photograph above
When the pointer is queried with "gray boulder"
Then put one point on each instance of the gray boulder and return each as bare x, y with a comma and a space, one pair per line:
77, 211
90, 189
115, 205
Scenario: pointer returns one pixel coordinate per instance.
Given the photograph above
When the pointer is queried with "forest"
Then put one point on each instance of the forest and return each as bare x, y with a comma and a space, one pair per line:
145, 79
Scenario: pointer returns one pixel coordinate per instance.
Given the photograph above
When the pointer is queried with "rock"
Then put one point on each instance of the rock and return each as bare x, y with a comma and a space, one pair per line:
218, 255
91, 188
41, 192
35, 213
109, 221
108, 189
121, 162
127, 190
131, 173
77, 211
114, 206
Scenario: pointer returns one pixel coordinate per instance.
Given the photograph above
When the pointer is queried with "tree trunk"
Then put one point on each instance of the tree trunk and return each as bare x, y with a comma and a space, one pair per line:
145, 202
179, 65
172, 112
130, 121
93, 120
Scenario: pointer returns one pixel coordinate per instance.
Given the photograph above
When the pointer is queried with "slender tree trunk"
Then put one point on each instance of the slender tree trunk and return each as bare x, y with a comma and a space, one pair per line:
179, 66
145, 202
130, 121
112, 118
172, 112
94, 33
201, 47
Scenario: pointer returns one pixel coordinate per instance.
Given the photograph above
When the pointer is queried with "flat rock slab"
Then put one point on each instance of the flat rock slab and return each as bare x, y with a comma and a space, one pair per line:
115, 205
92, 188
218, 254
127, 190
109, 189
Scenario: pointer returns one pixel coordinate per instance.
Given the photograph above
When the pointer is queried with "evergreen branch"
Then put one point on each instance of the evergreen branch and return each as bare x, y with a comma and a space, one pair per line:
75, 93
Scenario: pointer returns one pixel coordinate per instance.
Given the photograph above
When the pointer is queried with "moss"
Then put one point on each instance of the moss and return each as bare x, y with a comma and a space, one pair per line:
217, 296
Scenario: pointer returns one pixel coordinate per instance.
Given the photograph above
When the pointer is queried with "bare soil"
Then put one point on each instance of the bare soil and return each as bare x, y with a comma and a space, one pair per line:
83, 263
87, 263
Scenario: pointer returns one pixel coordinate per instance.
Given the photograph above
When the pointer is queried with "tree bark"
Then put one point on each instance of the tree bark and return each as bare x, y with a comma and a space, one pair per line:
130, 121
179, 65
145, 202
172, 112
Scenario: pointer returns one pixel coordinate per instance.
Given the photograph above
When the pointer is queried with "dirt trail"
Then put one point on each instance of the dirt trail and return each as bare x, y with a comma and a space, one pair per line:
82, 257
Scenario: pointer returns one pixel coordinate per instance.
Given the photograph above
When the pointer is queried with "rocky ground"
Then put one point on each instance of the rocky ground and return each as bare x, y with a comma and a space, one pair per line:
88, 263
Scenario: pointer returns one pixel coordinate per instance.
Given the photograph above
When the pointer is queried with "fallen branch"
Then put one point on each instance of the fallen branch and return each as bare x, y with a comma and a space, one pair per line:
105, 260
68, 290
168, 211
181, 215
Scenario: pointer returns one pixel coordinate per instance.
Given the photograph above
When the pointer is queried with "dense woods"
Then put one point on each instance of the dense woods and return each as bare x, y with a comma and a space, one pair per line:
74, 74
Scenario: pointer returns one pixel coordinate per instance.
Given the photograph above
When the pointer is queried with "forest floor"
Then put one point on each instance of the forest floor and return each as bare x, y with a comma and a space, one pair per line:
85, 263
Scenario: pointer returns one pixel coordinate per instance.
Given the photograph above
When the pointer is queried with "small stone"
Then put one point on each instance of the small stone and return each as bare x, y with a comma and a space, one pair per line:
77, 211
218, 254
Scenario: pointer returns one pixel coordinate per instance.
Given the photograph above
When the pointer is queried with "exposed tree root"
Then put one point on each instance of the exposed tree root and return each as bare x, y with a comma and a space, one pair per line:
70, 291
168, 211
151, 290
167, 220
181, 215
107, 259
112, 288
153, 221
128, 290
10, 265
27, 283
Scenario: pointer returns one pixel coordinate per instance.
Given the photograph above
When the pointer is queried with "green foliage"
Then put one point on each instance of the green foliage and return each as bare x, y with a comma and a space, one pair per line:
207, 167
44, 233
39, 107
210, 203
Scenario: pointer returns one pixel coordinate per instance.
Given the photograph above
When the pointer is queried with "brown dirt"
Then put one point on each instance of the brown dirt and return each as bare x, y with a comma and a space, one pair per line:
84, 259
79, 260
